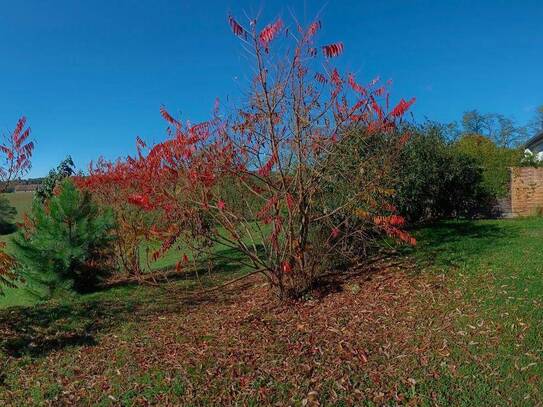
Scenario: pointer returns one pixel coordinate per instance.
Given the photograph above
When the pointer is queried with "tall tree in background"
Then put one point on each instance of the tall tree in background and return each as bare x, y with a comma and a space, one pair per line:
536, 124
503, 131
474, 122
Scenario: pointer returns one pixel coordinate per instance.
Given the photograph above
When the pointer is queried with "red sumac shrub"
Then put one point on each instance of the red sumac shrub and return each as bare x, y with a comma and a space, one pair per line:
279, 152
15, 154
112, 185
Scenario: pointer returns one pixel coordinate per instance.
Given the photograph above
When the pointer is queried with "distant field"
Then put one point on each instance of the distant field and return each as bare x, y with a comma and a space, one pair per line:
22, 201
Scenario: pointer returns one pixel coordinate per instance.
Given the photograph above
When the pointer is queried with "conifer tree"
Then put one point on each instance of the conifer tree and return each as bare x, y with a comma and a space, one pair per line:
65, 240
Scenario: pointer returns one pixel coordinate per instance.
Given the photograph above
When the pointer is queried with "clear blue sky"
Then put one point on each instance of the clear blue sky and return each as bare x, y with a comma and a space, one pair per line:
91, 75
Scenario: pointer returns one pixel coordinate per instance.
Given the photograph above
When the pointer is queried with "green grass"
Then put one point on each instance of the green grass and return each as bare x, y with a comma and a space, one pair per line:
495, 270
478, 325
22, 202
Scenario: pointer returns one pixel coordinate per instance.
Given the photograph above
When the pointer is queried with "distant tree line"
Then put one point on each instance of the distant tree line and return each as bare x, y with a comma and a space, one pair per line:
500, 129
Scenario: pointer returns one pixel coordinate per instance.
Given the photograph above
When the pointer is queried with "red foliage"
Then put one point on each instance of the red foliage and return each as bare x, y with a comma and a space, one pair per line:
114, 185
355, 86
320, 78
7, 266
286, 267
275, 152
313, 28
402, 107
141, 201
236, 27
269, 33
391, 225
17, 150
168, 117
332, 50
266, 168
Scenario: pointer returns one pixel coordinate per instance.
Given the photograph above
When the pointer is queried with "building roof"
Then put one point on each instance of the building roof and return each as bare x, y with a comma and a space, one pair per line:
534, 141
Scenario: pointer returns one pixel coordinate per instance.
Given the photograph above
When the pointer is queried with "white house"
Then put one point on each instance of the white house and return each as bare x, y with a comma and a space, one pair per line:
534, 147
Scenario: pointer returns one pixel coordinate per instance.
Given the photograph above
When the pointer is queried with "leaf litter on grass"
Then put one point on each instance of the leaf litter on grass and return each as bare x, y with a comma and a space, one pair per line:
373, 339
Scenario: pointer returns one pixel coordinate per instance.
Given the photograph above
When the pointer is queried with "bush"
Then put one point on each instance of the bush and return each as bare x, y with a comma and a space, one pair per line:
495, 161
111, 185
363, 171
437, 180
253, 181
66, 239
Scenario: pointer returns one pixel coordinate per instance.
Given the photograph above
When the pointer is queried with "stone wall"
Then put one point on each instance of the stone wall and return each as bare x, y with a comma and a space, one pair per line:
526, 191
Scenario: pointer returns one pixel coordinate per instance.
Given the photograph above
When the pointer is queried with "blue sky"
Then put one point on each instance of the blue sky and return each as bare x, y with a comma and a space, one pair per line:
91, 75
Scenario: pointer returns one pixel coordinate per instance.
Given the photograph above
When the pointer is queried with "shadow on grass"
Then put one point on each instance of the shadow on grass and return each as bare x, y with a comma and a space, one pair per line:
225, 261
7, 228
452, 242
7, 217
40, 329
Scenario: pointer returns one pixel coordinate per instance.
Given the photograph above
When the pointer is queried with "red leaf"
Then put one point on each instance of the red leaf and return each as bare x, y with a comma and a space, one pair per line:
168, 117
402, 107
404, 139
265, 170
313, 28
290, 202
286, 267
141, 201
332, 50
377, 109
270, 204
20, 124
335, 78
269, 32
237, 29
355, 86
140, 143
321, 78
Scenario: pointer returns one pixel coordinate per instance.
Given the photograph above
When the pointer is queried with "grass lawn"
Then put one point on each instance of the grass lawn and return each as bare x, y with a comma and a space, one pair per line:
456, 321
22, 201
494, 270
